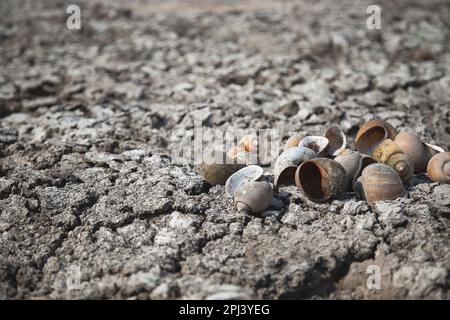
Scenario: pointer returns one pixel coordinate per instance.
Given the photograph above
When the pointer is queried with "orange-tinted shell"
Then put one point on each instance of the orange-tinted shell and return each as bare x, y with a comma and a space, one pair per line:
372, 133
439, 167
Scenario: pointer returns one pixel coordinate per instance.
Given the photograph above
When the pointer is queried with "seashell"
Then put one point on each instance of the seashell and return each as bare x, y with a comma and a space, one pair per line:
438, 168
418, 152
389, 153
249, 143
379, 182
254, 196
353, 163
287, 163
244, 175
321, 179
316, 143
293, 141
371, 134
337, 140
217, 167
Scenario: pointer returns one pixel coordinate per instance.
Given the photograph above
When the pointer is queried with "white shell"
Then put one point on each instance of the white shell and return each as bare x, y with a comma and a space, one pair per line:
291, 158
434, 149
244, 175
316, 143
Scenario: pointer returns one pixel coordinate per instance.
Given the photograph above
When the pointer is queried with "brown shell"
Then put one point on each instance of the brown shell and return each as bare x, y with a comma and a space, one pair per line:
415, 150
293, 141
389, 153
439, 167
354, 163
321, 179
379, 182
218, 167
372, 133
337, 140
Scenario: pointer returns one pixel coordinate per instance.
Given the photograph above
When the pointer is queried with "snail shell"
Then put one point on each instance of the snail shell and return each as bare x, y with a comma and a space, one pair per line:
287, 163
217, 167
354, 163
249, 143
293, 141
316, 143
254, 196
244, 175
439, 167
379, 182
418, 152
337, 140
372, 133
321, 179
388, 152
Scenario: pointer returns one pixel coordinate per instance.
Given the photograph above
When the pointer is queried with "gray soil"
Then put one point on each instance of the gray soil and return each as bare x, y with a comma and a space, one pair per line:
92, 205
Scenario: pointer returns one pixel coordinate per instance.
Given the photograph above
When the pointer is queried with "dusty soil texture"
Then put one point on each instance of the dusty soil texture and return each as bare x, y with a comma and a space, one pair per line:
93, 206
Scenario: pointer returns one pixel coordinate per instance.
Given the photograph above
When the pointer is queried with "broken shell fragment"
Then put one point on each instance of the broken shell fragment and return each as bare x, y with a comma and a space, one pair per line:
354, 163
389, 153
321, 179
244, 175
254, 196
287, 163
217, 167
379, 182
337, 140
372, 133
439, 167
415, 149
433, 149
316, 143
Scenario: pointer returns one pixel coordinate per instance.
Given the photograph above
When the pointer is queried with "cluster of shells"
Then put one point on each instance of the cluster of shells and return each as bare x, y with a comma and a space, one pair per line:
323, 168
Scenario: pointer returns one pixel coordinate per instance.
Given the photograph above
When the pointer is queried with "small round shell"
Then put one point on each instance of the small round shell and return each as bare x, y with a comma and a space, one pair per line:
388, 152
354, 163
244, 175
293, 141
287, 163
254, 196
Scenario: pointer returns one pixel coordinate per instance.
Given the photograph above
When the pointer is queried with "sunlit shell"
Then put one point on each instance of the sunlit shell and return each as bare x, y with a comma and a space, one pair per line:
254, 196
337, 140
244, 175
372, 133
287, 163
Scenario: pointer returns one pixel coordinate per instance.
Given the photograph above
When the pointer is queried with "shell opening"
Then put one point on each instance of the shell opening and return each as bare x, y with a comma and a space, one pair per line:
371, 139
311, 180
286, 177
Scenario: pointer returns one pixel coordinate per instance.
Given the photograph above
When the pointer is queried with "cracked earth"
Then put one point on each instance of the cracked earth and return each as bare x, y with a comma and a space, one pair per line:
88, 187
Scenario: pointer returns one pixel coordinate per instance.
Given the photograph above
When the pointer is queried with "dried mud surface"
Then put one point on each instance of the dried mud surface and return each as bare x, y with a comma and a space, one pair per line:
87, 185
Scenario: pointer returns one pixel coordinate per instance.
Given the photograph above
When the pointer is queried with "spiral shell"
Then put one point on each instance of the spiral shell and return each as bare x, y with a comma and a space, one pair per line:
389, 153
287, 163
244, 175
379, 182
438, 168
372, 133
321, 179
418, 152
254, 196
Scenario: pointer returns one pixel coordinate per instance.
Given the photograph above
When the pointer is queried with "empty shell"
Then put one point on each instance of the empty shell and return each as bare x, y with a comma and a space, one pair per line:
244, 175
372, 133
337, 140
354, 163
439, 167
217, 167
287, 163
316, 143
321, 179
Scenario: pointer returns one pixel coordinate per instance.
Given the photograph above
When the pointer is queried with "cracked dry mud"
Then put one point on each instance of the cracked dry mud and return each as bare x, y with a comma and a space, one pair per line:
86, 120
